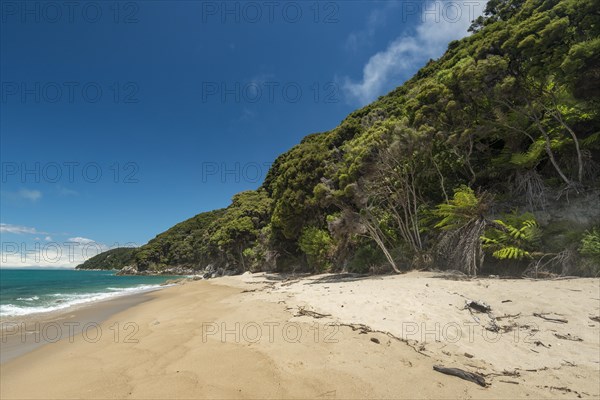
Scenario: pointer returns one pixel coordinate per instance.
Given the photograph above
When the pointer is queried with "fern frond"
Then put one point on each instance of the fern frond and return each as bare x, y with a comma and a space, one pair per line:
591, 141
531, 157
511, 253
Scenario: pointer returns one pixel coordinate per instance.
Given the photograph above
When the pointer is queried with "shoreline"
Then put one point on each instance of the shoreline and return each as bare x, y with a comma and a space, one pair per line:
268, 336
20, 335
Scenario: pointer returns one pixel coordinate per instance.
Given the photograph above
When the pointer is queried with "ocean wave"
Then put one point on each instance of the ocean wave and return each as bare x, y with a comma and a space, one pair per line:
34, 298
63, 301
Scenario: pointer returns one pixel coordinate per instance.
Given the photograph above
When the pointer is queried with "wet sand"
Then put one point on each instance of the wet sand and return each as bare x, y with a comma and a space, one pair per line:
20, 335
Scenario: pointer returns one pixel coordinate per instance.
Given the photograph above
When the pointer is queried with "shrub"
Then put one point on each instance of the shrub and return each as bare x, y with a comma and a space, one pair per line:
590, 250
317, 244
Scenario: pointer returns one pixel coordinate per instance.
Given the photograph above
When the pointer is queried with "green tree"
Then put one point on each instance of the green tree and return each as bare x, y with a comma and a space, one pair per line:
318, 245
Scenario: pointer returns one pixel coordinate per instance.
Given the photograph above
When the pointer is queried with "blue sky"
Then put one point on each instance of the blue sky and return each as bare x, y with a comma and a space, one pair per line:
119, 120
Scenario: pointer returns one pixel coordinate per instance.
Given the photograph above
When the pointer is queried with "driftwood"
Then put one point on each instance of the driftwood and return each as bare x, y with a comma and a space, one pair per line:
595, 319
364, 329
568, 336
478, 306
508, 316
557, 320
462, 374
314, 314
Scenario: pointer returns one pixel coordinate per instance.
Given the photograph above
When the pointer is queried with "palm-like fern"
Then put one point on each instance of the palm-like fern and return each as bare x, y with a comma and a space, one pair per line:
462, 208
590, 245
531, 157
462, 220
515, 239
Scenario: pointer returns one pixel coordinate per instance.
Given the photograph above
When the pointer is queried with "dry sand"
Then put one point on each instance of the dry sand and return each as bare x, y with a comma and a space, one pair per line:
243, 337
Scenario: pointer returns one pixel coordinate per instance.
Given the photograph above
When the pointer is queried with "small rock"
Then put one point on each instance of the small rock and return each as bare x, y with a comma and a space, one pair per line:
375, 340
468, 355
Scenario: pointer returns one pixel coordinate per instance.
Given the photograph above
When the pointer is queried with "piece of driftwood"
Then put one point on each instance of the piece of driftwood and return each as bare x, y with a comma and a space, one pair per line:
596, 319
557, 320
538, 343
568, 336
314, 314
478, 306
508, 316
364, 329
462, 374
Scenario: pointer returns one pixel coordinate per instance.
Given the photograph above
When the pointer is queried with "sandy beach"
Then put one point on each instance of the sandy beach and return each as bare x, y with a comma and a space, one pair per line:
329, 336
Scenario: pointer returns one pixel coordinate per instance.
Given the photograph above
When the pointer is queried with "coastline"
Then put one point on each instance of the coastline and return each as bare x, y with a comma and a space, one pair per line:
22, 334
269, 336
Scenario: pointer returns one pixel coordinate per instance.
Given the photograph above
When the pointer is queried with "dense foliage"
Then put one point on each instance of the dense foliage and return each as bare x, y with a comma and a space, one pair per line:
111, 259
505, 122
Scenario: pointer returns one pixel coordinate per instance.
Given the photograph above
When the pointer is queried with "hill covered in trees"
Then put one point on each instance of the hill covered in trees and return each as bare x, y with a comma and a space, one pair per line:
110, 259
486, 159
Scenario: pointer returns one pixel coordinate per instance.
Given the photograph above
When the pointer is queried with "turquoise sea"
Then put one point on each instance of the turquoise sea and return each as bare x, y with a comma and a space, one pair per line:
30, 291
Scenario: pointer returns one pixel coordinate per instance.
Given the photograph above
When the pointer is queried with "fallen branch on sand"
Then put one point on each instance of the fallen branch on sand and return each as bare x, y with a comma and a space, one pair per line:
558, 320
364, 329
462, 374
508, 316
303, 311
568, 336
484, 308
478, 306
563, 389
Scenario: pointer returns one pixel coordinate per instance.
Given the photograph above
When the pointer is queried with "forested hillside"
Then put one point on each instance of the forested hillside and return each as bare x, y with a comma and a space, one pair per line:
110, 259
486, 159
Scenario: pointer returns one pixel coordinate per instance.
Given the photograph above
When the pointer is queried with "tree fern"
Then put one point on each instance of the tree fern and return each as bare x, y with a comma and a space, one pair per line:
461, 209
513, 239
531, 157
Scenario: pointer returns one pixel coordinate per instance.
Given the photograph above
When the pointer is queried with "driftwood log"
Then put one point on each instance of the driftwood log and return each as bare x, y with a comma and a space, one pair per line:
302, 311
557, 320
462, 374
478, 306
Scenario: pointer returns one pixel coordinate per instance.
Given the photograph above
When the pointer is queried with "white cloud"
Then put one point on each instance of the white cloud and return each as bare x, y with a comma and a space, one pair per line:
440, 23
63, 191
48, 238
81, 240
18, 229
32, 195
